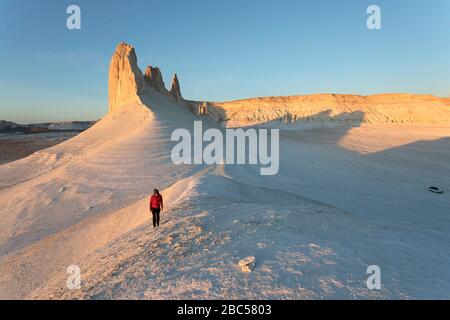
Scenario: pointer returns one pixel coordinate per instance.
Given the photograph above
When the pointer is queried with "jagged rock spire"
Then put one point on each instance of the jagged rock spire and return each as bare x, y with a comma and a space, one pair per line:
125, 78
175, 89
154, 77
127, 84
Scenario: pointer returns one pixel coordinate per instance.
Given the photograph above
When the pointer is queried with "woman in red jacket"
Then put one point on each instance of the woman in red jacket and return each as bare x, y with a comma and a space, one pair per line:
156, 206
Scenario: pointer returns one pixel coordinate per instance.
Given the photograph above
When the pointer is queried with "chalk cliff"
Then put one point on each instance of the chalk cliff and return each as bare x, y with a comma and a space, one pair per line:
127, 84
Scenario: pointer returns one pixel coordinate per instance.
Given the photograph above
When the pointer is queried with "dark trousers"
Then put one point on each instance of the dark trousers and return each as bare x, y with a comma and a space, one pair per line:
155, 213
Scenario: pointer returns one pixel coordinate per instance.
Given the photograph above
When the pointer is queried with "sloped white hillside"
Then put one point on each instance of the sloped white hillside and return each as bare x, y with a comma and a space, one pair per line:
108, 167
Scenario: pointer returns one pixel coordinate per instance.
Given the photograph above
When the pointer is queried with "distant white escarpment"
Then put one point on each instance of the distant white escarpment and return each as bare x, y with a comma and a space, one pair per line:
328, 110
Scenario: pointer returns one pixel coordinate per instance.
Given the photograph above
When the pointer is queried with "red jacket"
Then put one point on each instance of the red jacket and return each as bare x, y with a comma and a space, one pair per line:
156, 201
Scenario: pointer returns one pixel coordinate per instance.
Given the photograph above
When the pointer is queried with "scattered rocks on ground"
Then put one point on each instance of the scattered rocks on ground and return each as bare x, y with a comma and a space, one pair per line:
248, 264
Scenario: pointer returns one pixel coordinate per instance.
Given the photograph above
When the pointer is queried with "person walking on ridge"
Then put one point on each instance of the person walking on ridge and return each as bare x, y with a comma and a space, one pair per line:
156, 206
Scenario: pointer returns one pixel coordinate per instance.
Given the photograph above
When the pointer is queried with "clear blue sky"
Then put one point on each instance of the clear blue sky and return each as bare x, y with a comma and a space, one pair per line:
221, 50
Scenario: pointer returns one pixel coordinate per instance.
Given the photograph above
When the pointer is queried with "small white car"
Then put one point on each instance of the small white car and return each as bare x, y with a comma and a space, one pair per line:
436, 190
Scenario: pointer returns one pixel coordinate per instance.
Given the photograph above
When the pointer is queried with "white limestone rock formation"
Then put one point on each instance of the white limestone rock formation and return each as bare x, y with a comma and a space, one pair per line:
126, 81
175, 90
154, 78
333, 110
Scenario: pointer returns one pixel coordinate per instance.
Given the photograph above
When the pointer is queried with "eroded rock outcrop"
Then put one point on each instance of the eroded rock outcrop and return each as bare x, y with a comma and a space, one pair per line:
175, 90
127, 84
126, 81
154, 78
331, 110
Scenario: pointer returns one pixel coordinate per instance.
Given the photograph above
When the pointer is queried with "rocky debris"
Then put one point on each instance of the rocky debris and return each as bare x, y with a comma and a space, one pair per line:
175, 90
63, 189
154, 78
248, 264
126, 80
203, 108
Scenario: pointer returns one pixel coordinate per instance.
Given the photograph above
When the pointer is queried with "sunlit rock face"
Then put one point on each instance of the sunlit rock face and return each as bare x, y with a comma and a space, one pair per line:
125, 78
154, 78
330, 110
127, 84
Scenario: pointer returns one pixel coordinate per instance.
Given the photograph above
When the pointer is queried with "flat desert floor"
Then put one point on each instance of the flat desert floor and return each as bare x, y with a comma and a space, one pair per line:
18, 146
